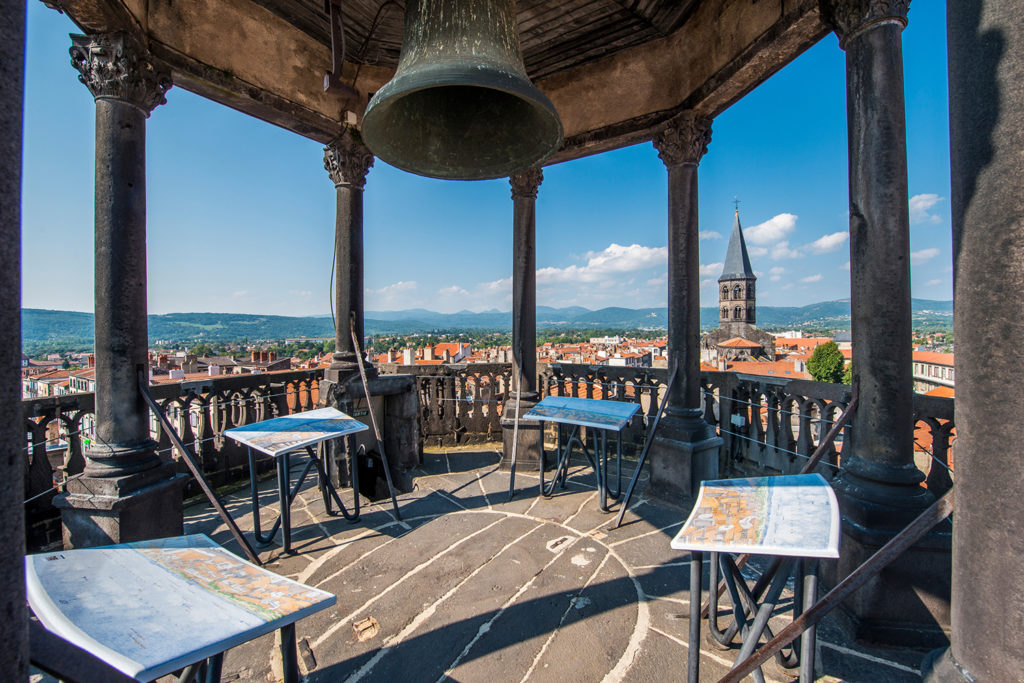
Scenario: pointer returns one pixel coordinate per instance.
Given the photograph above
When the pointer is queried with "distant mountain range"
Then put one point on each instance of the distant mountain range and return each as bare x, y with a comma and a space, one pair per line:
70, 329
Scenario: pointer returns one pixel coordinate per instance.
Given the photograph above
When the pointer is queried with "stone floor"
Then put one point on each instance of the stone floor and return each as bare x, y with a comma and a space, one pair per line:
471, 587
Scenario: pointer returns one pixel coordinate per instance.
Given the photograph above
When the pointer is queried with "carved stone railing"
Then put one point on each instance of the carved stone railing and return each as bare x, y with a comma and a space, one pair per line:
459, 404
58, 430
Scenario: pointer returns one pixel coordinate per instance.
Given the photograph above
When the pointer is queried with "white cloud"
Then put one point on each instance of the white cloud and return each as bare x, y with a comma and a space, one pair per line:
454, 290
845, 266
782, 250
829, 243
772, 230
711, 269
932, 283
756, 252
776, 273
812, 278
920, 208
614, 259
240, 293
398, 293
658, 281
919, 257
710, 235
497, 286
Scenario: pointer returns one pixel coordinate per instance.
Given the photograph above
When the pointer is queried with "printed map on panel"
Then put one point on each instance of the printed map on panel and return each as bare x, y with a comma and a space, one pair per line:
787, 515
152, 607
586, 412
287, 433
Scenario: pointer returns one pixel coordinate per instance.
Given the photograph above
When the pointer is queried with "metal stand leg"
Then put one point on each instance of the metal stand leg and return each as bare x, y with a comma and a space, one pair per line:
214, 666
327, 490
720, 638
765, 611
810, 582
289, 656
693, 654
283, 470
254, 489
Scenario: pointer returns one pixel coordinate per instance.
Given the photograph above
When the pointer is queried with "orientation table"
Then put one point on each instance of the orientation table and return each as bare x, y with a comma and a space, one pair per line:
278, 438
153, 607
602, 416
794, 518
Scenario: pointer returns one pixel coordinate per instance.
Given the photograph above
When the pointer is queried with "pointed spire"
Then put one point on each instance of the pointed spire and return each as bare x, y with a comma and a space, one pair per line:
737, 262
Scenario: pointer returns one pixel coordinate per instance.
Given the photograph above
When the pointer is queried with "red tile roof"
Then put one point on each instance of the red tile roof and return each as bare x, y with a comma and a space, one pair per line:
933, 357
740, 343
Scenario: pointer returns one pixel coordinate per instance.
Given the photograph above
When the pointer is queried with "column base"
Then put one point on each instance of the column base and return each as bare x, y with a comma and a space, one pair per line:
941, 667
683, 453
531, 435
134, 507
908, 604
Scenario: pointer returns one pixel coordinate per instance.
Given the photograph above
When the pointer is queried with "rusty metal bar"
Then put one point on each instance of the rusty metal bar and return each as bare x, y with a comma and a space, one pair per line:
369, 409
938, 511
186, 455
515, 436
811, 463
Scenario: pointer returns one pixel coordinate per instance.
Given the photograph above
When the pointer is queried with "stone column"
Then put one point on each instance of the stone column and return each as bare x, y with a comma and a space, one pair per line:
14, 626
347, 161
128, 493
879, 487
524, 321
986, 121
685, 450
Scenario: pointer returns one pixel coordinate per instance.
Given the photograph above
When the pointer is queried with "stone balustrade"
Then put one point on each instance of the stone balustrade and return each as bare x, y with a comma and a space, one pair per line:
459, 404
768, 425
59, 428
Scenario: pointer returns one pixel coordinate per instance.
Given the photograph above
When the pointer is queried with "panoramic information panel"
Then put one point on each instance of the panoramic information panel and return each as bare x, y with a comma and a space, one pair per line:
795, 515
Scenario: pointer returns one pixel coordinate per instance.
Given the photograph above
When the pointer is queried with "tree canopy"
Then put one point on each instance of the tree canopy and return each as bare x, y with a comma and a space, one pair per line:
827, 363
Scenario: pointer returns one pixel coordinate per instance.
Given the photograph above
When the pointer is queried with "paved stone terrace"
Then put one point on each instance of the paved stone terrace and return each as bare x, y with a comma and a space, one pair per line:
471, 587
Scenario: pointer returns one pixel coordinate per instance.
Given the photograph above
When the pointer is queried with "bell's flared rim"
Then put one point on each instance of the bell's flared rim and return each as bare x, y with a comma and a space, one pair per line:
375, 123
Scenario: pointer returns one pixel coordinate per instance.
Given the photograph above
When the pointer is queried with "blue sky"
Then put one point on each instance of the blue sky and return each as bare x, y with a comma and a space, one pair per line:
241, 213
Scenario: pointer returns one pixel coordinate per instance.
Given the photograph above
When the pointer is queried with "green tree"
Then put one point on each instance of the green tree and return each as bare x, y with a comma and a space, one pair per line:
848, 375
826, 363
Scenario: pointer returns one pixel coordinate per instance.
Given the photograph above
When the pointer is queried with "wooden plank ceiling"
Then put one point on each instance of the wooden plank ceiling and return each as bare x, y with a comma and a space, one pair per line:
555, 34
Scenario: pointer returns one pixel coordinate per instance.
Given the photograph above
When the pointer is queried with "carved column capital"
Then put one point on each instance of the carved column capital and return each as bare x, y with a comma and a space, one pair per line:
347, 160
684, 139
115, 67
525, 183
849, 18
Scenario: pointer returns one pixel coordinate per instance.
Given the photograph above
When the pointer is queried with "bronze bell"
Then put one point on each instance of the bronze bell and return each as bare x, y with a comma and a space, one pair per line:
460, 105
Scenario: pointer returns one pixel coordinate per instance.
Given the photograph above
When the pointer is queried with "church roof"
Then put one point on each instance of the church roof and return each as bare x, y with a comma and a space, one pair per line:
740, 343
737, 262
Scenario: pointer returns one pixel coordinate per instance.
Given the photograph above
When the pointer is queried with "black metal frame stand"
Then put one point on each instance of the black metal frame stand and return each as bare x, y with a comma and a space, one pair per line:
598, 460
749, 616
286, 496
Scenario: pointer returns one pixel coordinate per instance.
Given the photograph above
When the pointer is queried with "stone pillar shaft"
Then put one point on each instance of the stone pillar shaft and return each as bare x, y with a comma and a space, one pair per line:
14, 625
122, 340
527, 443
685, 450
524, 280
683, 287
347, 161
348, 285
986, 121
880, 251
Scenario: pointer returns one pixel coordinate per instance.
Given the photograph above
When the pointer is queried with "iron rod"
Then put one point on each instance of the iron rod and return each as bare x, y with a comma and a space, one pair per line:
196, 472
